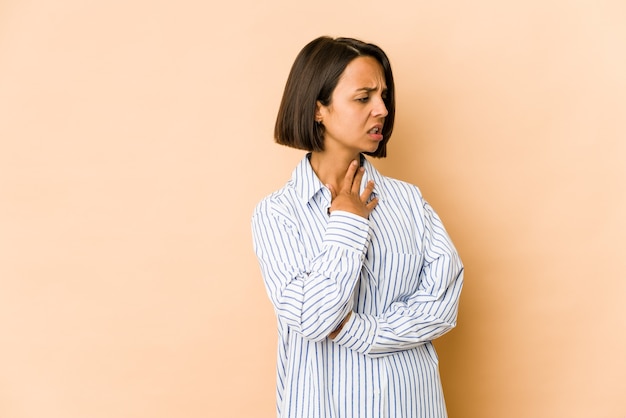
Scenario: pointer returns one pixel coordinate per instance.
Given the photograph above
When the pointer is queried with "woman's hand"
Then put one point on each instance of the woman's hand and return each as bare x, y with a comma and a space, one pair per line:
348, 199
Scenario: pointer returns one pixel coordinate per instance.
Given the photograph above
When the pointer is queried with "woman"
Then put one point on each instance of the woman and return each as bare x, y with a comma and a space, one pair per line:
359, 268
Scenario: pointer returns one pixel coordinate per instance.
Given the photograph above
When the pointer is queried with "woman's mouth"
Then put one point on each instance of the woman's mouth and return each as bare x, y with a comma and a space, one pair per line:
376, 133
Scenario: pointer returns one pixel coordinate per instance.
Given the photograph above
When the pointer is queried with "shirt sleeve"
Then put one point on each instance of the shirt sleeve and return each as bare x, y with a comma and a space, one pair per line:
311, 295
427, 314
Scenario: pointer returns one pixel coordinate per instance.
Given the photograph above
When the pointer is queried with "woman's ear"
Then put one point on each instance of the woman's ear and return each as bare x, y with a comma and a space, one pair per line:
318, 112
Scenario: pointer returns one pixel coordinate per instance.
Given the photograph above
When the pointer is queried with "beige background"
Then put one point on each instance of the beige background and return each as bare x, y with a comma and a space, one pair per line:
136, 138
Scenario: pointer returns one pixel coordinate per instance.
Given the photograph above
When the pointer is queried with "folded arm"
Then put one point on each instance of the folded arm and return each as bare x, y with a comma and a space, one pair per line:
310, 295
426, 314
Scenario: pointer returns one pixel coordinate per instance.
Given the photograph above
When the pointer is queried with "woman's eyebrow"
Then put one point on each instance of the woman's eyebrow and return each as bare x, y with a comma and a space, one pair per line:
370, 89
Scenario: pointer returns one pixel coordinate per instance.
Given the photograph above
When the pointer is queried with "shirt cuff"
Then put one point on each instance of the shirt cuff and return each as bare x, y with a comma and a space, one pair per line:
359, 333
347, 230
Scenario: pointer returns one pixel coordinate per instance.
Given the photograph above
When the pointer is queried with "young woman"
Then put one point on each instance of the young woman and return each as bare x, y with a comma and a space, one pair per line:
359, 268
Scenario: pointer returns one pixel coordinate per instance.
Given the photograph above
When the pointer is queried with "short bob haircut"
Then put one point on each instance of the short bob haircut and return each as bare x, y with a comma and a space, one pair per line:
314, 76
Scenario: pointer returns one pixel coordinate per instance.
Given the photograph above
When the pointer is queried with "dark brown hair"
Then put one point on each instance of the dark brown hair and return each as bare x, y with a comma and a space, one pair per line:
314, 76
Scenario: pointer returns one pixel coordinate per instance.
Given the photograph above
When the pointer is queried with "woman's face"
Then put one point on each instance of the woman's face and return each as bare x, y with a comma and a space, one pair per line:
354, 118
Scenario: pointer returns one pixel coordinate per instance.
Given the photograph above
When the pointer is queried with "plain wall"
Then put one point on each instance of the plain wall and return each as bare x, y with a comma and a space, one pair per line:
136, 138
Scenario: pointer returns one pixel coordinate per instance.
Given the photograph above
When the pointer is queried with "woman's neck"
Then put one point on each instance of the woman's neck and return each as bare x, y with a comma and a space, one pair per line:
331, 168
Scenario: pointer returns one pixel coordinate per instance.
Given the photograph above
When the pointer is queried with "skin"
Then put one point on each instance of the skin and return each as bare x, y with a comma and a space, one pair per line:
355, 108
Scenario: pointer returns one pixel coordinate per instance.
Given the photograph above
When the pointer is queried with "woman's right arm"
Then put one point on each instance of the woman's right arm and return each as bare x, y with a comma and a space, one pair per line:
310, 295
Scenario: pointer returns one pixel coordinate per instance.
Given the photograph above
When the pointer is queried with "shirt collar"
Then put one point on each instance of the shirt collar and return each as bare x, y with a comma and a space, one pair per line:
307, 184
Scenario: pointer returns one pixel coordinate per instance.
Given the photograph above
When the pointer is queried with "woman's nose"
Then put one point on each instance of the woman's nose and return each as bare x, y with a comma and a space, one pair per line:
380, 109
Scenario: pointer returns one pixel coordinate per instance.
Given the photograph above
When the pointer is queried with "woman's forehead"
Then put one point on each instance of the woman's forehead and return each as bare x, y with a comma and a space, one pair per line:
363, 73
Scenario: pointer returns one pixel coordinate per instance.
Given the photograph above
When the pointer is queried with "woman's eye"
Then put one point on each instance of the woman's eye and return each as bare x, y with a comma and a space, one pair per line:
363, 99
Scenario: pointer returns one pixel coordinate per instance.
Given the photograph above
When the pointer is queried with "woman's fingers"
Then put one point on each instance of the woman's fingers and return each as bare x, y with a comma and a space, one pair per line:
367, 192
372, 204
356, 182
352, 180
349, 179
347, 196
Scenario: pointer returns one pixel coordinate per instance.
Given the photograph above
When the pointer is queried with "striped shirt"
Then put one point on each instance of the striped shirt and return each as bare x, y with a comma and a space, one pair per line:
399, 274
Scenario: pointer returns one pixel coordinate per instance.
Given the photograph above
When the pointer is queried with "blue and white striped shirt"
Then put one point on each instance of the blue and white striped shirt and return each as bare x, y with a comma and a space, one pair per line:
398, 273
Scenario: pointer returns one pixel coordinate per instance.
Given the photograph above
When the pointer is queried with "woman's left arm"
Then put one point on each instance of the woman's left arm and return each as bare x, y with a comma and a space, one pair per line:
427, 314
